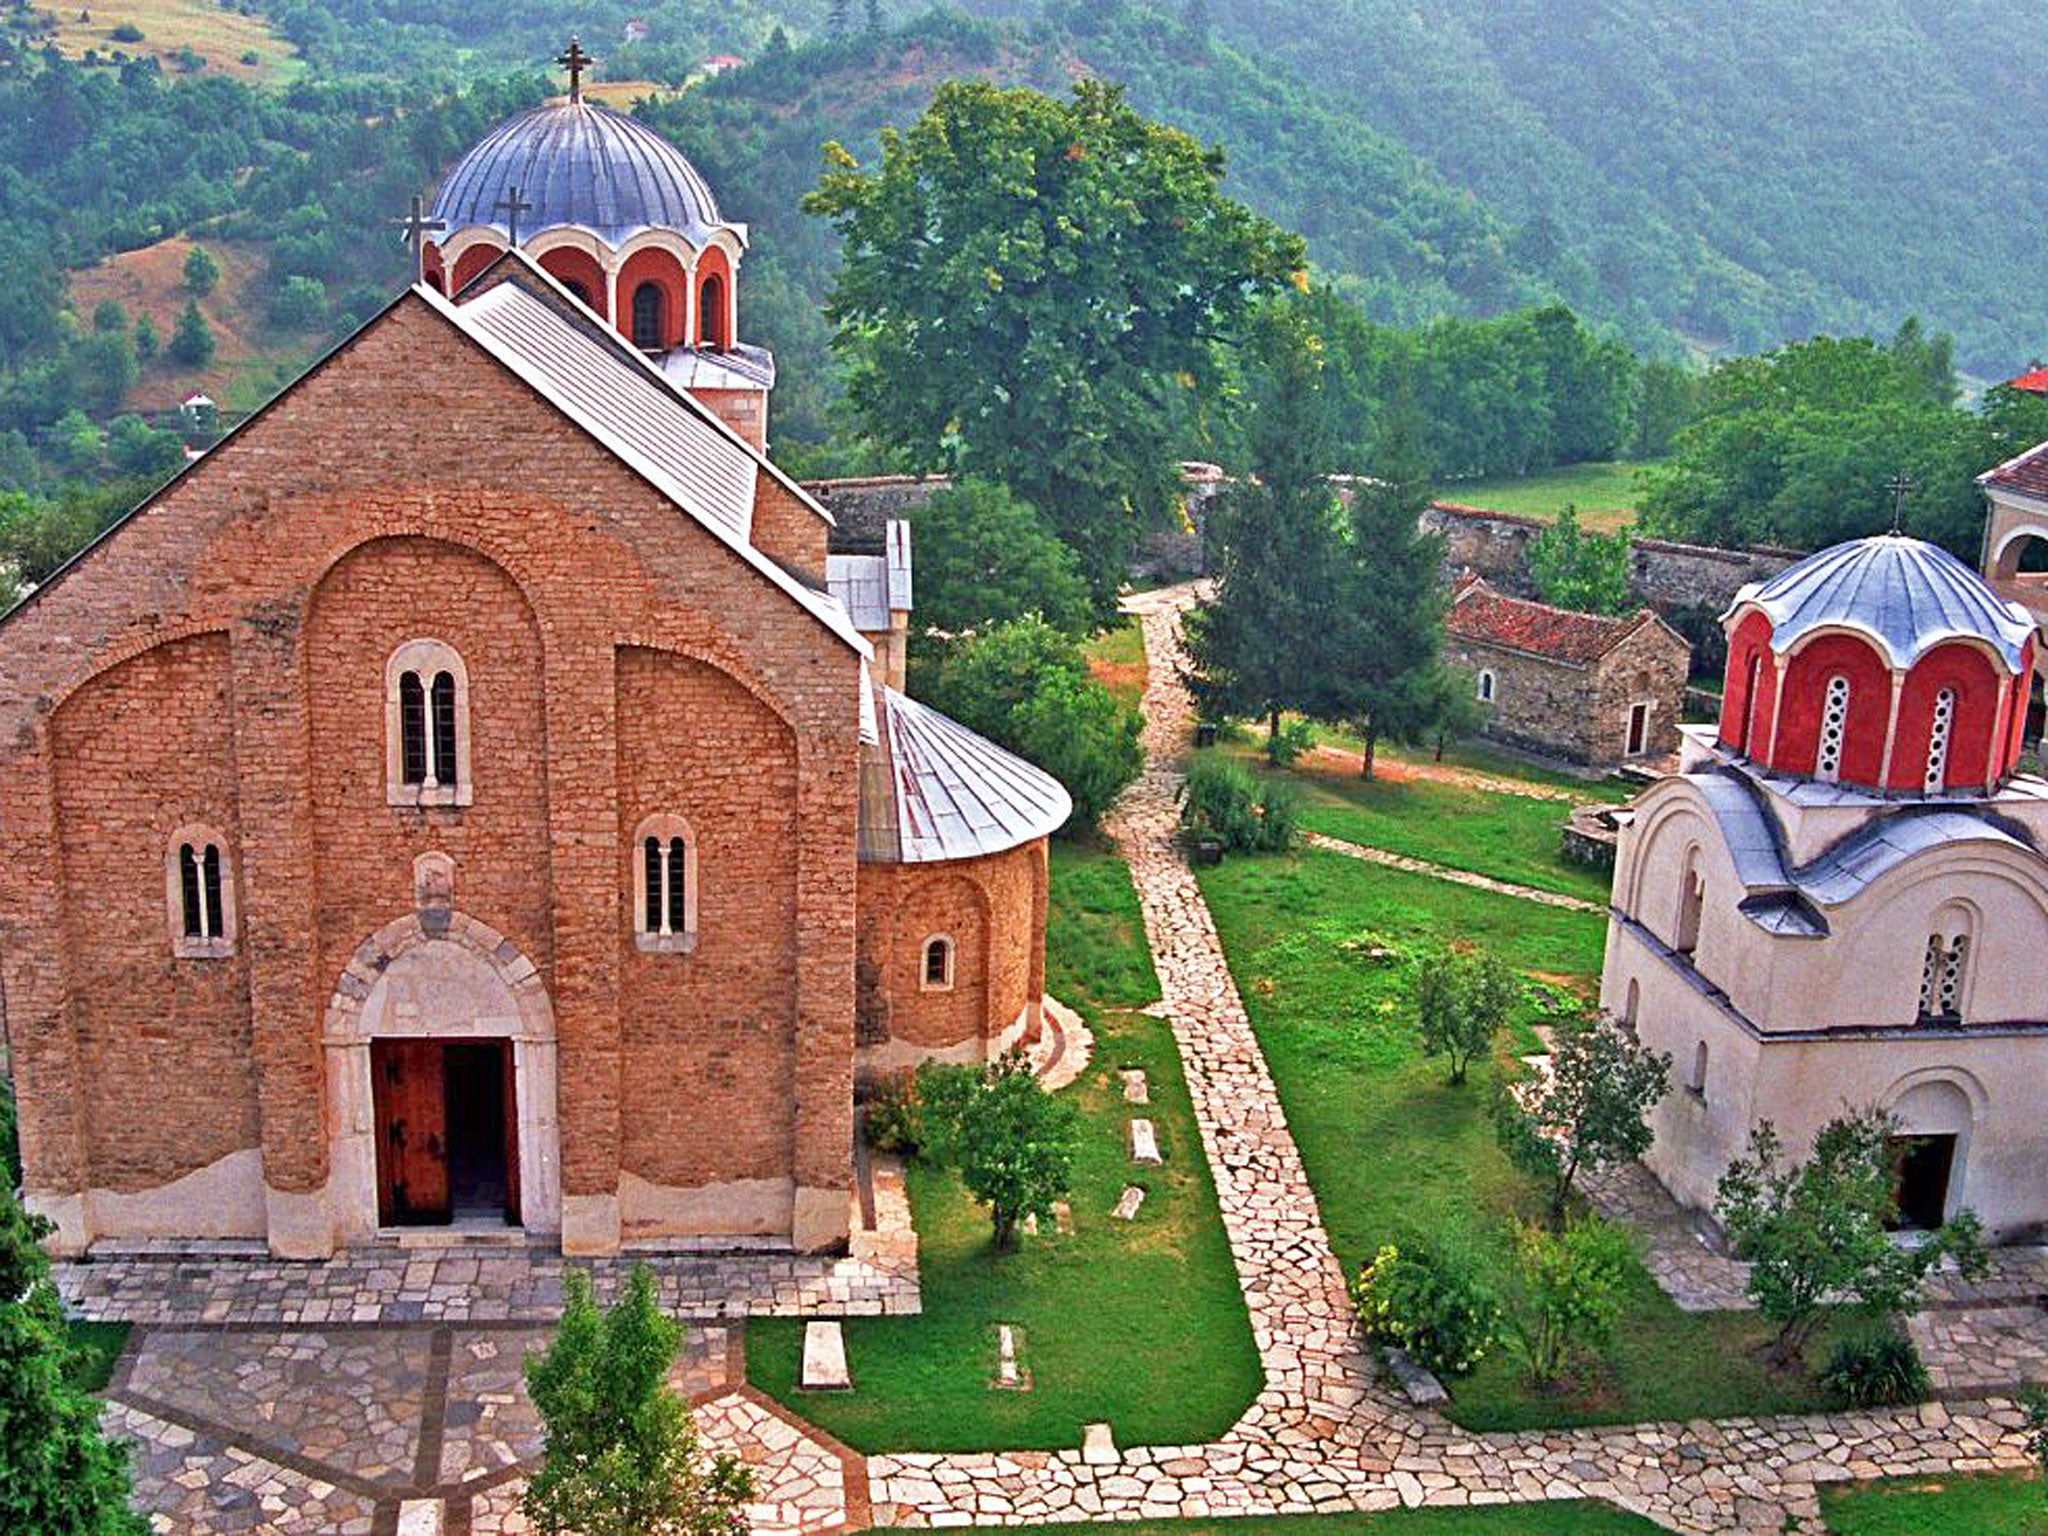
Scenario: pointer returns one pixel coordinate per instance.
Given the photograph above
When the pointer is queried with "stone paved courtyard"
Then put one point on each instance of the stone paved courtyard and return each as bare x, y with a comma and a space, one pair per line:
381, 1395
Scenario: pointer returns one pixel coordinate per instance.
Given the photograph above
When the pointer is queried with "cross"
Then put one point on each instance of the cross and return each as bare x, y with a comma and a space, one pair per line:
1899, 485
514, 205
575, 61
417, 227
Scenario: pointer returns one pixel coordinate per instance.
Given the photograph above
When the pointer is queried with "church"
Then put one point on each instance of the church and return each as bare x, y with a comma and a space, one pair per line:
479, 792
1841, 900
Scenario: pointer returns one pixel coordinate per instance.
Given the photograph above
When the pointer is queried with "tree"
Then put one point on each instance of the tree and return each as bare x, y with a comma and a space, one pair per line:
102, 368
298, 304
108, 315
202, 272
147, 342
1587, 572
1816, 1235
76, 442
1452, 697
1387, 630
137, 448
984, 558
1012, 1143
874, 18
1462, 1001
1027, 286
621, 1455
1586, 1111
1568, 1292
192, 338
1260, 646
58, 1474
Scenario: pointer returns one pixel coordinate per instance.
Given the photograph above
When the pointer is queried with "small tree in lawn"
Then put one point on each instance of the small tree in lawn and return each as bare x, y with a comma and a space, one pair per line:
58, 1474
1587, 1112
1462, 999
1567, 1293
1012, 1142
1816, 1236
621, 1457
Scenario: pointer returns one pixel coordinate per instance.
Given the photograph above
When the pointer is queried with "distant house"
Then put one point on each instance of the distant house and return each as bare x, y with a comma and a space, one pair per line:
637, 30
1586, 689
199, 412
2033, 382
719, 63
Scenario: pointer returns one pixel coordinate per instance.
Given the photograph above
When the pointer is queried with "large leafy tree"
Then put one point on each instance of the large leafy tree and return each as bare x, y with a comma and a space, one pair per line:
1027, 282
57, 1473
1262, 644
984, 557
1573, 568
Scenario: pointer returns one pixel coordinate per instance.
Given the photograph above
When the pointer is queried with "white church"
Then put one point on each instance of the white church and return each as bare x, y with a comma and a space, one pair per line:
1841, 899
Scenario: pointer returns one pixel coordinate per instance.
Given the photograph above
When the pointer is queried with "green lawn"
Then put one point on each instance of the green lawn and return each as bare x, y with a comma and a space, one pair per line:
98, 1346
1606, 495
1138, 1323
1117, 658
1479, 756
1573, 1518
1509, 837
2007, 1504
1392, 1150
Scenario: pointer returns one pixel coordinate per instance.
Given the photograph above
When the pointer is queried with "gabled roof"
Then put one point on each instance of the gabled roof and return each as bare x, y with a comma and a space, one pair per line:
2026, 473
949, 794
2032, 382
1486, 616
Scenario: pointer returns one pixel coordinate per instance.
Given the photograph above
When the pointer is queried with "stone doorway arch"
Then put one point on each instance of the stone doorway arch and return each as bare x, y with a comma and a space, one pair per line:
438, 974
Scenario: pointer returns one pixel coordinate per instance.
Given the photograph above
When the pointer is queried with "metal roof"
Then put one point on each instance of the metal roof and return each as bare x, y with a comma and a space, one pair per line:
949, 794
580, 164
1874, 850
1906, 595
896, 537
741, 367
861, 582
613, 394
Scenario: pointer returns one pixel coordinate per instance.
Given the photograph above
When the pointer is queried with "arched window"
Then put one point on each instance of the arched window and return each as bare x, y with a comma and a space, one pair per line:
1692, 901
711, 312
1631, 1001
1945, 968
1697, 1083
199, 894
649, 316
1486, 686
1834, 729
1756, 666
1938, 733
937, 972
426, 724
665, 887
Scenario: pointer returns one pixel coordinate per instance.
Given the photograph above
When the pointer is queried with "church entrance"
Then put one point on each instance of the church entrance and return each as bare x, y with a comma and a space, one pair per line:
447, 1131
1921, 1166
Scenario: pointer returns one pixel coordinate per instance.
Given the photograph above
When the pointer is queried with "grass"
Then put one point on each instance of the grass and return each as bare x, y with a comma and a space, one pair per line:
1140, 1323
1117, 659
98, 1346
222, 37
1391, 1150
1566, 1518
1508, 837
1606, 495
1476, 756
2008, 1503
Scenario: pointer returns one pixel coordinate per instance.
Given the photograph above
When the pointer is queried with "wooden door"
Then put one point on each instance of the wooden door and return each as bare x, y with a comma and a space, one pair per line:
412, 1132
508, 1107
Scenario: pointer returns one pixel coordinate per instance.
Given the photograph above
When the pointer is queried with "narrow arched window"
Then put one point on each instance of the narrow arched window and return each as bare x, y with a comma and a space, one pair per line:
1945, 968
1486, 687
199, 894
1938, 732
649, 308
1692, 901
665, 890
426, 696
937, 974
711, 312
1834, 730
1748, 728
1697, 1083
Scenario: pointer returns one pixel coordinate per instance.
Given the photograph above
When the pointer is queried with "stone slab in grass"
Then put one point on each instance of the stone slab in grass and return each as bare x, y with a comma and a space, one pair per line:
1127, 1206
419, 1517
1010, 1374
1145, 1143
825, 1358
1136, 1089
1420, 1386
1098, 1446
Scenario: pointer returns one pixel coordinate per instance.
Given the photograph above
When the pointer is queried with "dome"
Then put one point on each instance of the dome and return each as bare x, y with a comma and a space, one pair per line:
581, 165
1908, 596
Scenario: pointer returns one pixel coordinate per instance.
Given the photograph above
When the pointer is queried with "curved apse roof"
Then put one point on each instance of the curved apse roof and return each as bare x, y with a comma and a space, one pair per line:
950, 794
1907, 595
578, 164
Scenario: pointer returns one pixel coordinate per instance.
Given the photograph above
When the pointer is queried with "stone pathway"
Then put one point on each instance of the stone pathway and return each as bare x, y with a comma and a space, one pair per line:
1444, 872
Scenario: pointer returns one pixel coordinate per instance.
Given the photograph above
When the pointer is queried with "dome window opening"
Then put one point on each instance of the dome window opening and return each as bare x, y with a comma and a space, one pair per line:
711, 307
1938, 734
649, 317
1834, 728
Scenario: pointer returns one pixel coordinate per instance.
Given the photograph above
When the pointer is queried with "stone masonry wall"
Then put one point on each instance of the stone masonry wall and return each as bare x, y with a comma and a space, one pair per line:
1580, 714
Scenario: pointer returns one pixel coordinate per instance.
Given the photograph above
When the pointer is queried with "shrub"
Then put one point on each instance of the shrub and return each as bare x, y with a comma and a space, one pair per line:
1875, 1366
895, 1119
1288, 743
1568, 1292
298, 304
127, 32
192, 338
1432, 1301
1221, 799
1012, 1142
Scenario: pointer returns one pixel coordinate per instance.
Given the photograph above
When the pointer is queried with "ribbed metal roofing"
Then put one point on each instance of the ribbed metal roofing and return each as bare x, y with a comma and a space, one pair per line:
861, 582
1906, 595
582, 165
953, 794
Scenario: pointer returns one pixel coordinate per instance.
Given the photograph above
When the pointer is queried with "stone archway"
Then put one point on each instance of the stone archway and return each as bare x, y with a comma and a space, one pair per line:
439, 974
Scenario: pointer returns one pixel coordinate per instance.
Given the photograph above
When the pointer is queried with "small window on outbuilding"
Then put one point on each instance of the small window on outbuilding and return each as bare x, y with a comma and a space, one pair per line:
199, 894
937, 974
665, 887
426, 726
1486, 685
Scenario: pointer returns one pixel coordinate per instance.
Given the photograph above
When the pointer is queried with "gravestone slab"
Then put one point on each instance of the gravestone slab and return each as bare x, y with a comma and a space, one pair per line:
419, 1517
1136, 1089
1010, 1375
1127, 1203
1145, 1143
824, 1358
1098, 1446
1063, 1217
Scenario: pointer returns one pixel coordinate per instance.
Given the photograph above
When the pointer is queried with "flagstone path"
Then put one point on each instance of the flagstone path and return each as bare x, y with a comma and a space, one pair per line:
1413, 866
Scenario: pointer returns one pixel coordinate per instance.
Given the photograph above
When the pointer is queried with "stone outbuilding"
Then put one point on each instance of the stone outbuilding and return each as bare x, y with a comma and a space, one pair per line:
1841, 900
1584, 689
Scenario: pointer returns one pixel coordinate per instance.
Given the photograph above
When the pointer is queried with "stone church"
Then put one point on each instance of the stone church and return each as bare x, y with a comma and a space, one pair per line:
479, 791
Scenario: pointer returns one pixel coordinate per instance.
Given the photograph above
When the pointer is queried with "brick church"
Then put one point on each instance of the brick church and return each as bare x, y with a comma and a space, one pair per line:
479, 791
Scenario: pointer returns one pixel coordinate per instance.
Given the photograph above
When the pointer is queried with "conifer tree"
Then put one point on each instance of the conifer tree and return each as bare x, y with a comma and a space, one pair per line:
1260, 646
192, 339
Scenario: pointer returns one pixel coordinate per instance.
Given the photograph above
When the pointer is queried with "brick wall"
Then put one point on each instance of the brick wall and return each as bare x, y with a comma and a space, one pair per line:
787, 529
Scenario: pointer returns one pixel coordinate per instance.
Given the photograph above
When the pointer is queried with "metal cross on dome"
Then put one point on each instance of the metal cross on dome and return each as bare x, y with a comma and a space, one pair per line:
575, 61
512, 205
417, 227
1900, 485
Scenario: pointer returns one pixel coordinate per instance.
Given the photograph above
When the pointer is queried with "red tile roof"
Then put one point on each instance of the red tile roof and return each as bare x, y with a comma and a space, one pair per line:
2027, 474
2034, 383
1479, 613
